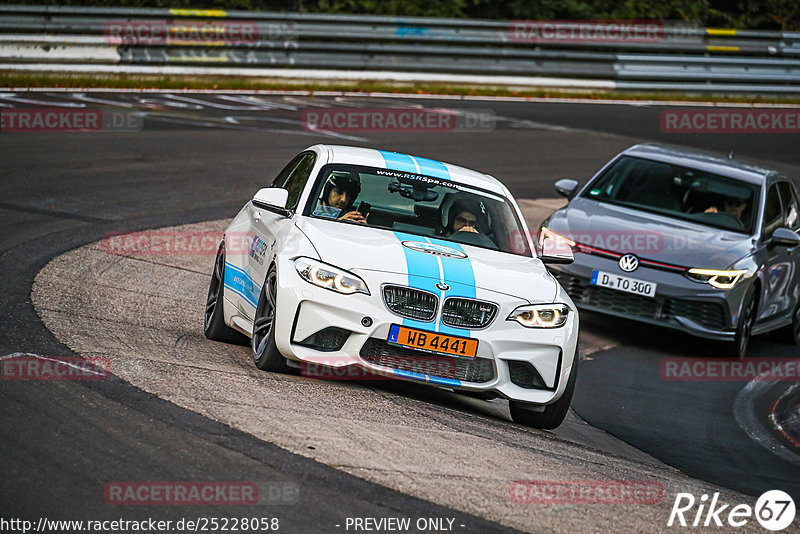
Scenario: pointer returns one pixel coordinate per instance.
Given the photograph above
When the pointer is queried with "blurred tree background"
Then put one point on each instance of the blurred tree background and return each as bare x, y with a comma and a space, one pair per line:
755, 14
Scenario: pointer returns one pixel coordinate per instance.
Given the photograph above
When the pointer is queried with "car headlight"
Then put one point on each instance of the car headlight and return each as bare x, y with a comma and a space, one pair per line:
546, 233
330, 277
541, 315
715, 277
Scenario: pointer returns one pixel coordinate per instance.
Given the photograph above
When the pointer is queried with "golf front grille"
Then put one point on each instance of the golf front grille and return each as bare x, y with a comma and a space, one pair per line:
411, 303
708, 314
379, 352
468, 313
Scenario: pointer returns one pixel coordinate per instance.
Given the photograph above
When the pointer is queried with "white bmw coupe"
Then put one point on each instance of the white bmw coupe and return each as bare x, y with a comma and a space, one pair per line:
405, 267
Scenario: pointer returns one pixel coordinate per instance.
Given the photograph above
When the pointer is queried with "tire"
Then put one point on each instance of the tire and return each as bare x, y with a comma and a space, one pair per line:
553, 414
790, 334
266, 355
744, 328
214, 326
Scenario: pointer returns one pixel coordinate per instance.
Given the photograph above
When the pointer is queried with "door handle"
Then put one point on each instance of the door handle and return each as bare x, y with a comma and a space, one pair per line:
257, 216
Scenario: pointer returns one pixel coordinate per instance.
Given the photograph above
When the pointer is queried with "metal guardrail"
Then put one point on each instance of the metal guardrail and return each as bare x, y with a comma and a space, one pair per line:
664, 56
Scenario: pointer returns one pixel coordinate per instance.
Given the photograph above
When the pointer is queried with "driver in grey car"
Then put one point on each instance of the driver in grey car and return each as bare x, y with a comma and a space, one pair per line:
732, 205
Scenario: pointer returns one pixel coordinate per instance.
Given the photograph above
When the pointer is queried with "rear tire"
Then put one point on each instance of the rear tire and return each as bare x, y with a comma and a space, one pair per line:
790, 334
214, 326
744, 328
266, 355
553, 414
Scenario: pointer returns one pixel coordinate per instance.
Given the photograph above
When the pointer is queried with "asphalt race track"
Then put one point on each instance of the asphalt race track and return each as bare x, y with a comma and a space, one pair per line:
198, 158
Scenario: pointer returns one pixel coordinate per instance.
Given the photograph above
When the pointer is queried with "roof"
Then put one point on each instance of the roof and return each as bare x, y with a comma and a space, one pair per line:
407, 163
704, 161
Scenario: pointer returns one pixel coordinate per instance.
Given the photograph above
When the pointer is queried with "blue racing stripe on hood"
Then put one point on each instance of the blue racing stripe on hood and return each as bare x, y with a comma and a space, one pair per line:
423, 273
459, 273
426, 270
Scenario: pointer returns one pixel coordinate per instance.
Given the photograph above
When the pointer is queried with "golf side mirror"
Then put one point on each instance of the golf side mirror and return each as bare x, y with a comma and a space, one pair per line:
566, 187
783, 237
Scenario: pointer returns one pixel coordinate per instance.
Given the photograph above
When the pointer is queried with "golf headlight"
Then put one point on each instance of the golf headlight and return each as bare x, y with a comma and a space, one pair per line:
714, 277
541, 315
330, 277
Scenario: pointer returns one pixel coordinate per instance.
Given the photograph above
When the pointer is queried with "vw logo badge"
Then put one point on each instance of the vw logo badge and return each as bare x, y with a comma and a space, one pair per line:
442, 286
628, 263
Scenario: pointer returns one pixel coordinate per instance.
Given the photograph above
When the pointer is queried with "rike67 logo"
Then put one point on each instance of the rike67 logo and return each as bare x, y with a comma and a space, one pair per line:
774, 510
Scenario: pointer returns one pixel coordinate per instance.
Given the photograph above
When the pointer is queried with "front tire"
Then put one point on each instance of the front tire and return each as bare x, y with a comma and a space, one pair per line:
744, 328
214, 326
553, 414
266, 355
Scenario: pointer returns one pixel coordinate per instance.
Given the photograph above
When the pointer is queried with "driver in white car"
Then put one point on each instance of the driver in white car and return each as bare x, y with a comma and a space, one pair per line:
338, 196
465, 215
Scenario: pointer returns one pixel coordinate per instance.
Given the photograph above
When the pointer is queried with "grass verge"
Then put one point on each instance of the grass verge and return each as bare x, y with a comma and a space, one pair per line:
22, 80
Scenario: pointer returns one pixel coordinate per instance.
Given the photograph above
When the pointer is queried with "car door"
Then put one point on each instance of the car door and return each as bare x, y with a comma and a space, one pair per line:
267, 224
778, 267
791, 219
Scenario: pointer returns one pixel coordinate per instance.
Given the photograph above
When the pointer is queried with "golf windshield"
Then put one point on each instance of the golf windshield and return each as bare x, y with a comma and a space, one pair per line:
679, 192
417, 204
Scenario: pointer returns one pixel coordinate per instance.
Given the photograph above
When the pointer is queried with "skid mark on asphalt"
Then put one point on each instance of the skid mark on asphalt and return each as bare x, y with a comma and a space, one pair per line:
749, 420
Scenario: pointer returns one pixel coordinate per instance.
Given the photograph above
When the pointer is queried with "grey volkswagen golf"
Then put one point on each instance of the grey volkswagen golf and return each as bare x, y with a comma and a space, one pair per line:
684, 239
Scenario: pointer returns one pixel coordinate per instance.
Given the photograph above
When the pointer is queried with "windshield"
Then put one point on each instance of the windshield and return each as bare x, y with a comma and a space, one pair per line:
679, 192
416, 204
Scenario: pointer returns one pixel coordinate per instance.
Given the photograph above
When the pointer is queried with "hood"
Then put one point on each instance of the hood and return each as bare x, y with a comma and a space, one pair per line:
464, 267
649, 236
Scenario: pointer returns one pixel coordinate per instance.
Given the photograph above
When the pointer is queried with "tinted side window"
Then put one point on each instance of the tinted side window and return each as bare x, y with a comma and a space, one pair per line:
789, 202
773, 212
297, 180
280, 180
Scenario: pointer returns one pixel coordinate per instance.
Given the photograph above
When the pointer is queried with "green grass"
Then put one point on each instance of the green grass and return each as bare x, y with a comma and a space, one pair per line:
21, 81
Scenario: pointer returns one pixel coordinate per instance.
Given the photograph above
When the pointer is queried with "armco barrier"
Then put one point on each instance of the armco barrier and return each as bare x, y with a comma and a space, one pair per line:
634, 55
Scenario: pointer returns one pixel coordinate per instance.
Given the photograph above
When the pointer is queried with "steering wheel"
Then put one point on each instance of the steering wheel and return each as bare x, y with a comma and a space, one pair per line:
731, 218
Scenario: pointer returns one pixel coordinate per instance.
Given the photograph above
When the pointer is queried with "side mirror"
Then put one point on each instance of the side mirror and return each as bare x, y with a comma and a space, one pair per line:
271, 197
566, 187
783, 237
555, 252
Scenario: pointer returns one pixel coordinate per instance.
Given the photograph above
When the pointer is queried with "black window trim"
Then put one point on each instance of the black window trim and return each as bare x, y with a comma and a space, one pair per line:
756, 228
317, 187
